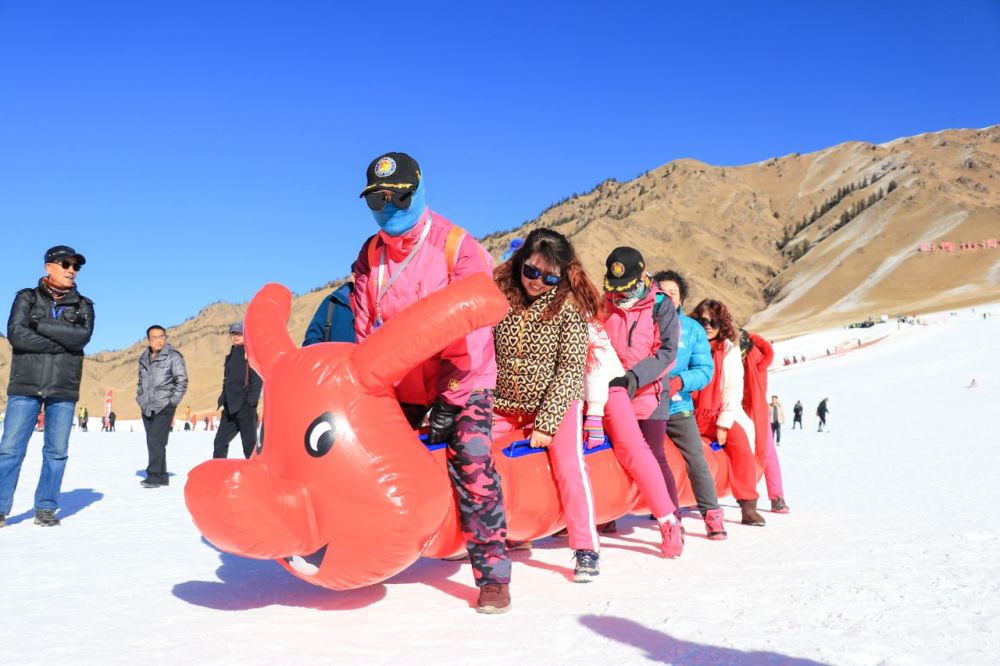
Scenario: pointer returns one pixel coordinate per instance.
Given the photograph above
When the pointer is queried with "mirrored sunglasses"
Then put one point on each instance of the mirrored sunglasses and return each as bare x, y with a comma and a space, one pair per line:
533, 273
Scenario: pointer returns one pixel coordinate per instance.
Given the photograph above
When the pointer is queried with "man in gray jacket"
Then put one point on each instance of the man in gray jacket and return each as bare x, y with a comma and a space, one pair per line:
163, 381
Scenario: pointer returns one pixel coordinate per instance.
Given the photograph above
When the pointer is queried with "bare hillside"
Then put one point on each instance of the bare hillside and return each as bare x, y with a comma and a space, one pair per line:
792, 243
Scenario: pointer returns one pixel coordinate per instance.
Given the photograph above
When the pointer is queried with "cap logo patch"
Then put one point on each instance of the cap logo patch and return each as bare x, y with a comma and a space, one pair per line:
452, 384
385, 167
618, 269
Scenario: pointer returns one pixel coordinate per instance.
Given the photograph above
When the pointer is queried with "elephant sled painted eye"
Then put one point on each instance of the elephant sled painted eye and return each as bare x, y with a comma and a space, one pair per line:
321, 435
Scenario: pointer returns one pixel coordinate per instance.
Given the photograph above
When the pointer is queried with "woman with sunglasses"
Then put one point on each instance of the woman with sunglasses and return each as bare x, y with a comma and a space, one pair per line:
718, 407
541, 350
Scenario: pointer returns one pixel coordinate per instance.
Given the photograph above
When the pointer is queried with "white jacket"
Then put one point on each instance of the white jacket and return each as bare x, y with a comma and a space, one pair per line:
603, 365
732, 393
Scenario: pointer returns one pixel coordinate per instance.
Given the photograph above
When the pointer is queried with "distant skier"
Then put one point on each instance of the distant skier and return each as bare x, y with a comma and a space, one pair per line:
821, 411
797, 412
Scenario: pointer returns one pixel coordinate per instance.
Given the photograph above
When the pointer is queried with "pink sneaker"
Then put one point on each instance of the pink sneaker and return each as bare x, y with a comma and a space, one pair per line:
673, 539
713, 525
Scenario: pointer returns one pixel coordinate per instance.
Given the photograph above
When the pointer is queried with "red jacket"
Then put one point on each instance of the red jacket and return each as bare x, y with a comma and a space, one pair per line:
755, 403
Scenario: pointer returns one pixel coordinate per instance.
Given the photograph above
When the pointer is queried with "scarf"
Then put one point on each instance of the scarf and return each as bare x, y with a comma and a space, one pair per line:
54, 292
708, 401
634, 295
400, 246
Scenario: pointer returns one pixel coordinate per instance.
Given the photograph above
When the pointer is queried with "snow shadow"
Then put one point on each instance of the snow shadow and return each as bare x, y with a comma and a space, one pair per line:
436, 573
246, 584
663, 648
70, 503
141, 473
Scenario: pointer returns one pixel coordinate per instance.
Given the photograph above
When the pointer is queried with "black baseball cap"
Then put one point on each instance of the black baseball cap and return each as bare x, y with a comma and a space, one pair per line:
625, 267
60, 252
392, 171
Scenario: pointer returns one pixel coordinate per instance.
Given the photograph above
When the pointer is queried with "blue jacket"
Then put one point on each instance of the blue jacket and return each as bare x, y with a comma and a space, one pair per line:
342, 323
694, 363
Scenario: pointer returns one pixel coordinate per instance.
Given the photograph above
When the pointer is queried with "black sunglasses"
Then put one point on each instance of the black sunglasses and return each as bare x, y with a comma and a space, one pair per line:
378, 199
66, 263
708, 323
533, 273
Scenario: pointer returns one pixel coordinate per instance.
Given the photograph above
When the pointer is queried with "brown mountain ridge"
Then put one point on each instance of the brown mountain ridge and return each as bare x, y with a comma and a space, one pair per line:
792, 244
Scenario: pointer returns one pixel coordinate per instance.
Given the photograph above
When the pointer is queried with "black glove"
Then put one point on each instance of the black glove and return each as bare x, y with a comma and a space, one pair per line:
746, 342
442, 421
628, 381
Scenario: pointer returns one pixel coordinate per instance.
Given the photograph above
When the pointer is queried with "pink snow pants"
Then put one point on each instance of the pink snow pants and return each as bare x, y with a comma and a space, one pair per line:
634, 453
772, 469
569, 469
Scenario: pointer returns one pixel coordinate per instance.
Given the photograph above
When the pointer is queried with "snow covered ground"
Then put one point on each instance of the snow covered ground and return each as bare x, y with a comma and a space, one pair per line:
888, 557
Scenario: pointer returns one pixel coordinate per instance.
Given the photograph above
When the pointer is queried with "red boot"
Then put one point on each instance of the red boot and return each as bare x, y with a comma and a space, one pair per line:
673, 539
713, 525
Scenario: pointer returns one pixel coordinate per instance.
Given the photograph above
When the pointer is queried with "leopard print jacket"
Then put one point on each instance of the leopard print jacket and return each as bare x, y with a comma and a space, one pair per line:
540, 364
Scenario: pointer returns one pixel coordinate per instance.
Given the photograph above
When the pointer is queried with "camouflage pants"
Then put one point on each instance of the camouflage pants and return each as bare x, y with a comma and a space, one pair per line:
477, 488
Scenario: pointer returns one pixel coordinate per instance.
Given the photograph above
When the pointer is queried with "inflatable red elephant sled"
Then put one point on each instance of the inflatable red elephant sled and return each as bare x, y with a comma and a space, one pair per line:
340, 490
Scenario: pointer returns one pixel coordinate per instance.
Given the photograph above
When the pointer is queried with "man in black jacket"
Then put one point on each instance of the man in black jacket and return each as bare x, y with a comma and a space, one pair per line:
48, 328
241, 388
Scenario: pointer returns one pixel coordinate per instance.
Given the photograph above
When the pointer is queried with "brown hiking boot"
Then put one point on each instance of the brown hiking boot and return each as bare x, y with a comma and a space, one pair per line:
750, 515
610, 527
493, 598
778, 505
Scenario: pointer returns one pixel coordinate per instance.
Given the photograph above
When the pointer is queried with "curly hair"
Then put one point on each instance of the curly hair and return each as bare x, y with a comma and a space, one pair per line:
676, 278
558, 252
717, 310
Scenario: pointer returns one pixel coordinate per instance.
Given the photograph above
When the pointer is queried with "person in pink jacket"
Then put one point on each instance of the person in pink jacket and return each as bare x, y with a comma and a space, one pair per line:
415, 253
645, 335
609, 408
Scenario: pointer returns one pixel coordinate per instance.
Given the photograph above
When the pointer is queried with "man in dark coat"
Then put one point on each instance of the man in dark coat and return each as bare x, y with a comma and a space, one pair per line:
821, 411
49, 326
241, 388
797, 412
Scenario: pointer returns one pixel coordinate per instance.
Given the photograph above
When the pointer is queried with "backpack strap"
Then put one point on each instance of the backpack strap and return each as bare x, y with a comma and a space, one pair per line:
370, 245
329, 318
452, 245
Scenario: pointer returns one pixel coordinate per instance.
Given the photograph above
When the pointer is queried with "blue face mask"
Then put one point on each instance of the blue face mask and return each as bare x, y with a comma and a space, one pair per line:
396, 222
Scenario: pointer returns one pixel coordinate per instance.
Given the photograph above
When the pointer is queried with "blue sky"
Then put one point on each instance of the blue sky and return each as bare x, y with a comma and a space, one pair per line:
196, 150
